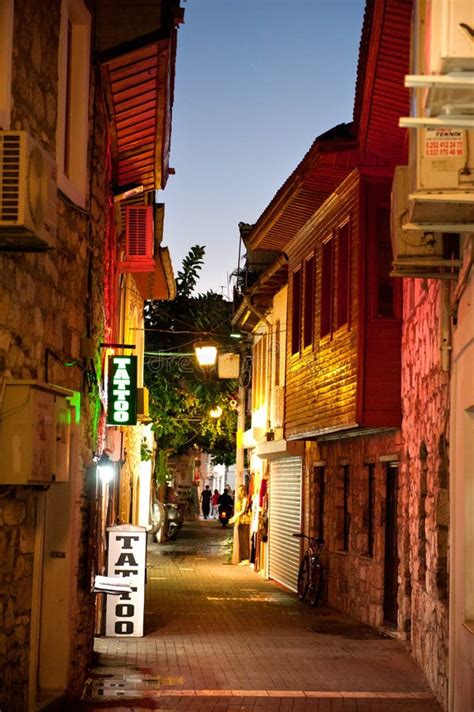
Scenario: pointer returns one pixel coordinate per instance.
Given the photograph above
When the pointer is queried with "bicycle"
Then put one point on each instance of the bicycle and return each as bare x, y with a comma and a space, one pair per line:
311, 570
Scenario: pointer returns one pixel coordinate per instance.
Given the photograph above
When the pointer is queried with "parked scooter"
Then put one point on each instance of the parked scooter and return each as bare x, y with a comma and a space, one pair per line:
226, 509
158, 521
174, 520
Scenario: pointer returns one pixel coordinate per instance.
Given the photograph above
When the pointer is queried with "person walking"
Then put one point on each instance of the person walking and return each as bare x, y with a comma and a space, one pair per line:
215, 504
206, 501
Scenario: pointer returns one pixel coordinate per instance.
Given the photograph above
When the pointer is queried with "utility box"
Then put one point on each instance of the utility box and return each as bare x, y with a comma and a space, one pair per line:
126, 556
35, 433
228, 365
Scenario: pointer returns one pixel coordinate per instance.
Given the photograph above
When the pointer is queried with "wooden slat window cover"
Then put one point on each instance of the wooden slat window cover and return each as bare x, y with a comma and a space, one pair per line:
296, 312
385, 285
277, 342
308, 324
259, 372
343, 275
327, 261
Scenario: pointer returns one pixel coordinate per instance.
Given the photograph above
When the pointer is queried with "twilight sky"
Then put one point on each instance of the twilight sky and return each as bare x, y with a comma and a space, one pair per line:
256, 82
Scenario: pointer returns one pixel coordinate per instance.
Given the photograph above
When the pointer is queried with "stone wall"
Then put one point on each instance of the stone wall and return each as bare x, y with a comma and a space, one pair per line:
355, 578
48, 303
424, 480
17, 536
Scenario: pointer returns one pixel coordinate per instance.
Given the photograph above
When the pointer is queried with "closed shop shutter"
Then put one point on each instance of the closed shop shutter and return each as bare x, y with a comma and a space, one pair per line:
284, 520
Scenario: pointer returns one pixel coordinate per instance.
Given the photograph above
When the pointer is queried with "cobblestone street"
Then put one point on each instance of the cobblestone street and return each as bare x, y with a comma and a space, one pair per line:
219, 638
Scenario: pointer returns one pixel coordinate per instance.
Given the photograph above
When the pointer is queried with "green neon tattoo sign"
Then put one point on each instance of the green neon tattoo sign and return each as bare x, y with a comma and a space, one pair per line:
122, 390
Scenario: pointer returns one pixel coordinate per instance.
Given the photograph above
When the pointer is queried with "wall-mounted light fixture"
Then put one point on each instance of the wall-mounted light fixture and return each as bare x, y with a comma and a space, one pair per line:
105, 468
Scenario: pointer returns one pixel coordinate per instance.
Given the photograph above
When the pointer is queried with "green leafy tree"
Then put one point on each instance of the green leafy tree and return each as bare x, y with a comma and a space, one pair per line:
181, 393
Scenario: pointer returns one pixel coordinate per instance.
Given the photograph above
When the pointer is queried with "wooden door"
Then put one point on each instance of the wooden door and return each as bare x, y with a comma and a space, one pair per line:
390, 602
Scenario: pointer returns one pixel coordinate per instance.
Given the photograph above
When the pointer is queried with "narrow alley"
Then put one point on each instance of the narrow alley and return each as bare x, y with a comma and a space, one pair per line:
218, 637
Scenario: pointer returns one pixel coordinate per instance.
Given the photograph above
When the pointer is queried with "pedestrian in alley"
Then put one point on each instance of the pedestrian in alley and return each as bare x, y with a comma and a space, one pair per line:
206, 495
215, 504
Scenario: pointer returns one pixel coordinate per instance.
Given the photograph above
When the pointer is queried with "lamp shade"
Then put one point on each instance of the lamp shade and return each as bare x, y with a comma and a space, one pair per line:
206, 353
105, 468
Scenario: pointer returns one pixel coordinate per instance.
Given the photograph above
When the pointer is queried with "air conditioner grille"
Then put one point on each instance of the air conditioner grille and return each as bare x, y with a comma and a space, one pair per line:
137, 232
10, 178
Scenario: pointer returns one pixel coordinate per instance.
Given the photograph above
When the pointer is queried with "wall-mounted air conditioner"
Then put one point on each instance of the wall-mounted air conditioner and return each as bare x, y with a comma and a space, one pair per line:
441, 193
139, 239
28, 192
416, 252
35, 433
449, 45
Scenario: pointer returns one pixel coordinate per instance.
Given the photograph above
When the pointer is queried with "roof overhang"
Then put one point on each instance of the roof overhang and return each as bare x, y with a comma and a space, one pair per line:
259, 298
159, 284
139, 80
327, 163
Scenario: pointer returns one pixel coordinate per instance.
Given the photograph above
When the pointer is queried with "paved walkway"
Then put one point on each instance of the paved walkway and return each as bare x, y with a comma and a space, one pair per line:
219, 638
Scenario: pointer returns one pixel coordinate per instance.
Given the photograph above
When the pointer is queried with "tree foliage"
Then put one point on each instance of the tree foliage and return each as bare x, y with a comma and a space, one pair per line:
182, 393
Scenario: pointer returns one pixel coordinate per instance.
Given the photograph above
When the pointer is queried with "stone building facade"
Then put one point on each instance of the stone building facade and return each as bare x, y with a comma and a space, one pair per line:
425, 480
59, 302
49, 302
355, 580
376, 477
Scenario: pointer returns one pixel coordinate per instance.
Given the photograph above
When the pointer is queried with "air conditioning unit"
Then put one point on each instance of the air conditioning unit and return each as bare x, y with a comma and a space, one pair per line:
35, 433
228, 365
441, 195
28, 192
446, 63
449, 45
139, 239
417, 252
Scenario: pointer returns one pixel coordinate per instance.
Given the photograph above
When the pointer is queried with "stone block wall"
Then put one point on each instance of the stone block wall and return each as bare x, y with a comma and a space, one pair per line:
424, 481
355, 577
48, 303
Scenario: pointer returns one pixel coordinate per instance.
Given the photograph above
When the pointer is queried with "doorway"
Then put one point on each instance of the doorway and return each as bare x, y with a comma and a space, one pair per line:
390, 598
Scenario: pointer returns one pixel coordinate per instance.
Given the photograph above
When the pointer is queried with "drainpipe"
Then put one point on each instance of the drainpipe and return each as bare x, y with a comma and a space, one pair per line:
242, 396
446, 345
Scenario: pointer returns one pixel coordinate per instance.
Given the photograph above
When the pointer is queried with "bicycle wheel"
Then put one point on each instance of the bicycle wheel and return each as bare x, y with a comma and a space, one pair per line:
303, 578
316, 586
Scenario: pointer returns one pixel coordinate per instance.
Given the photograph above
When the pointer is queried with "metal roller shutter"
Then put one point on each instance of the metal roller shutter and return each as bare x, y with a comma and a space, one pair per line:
284, 520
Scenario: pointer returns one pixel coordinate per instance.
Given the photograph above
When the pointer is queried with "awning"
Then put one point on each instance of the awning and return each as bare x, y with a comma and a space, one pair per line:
139, 87
160, 283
